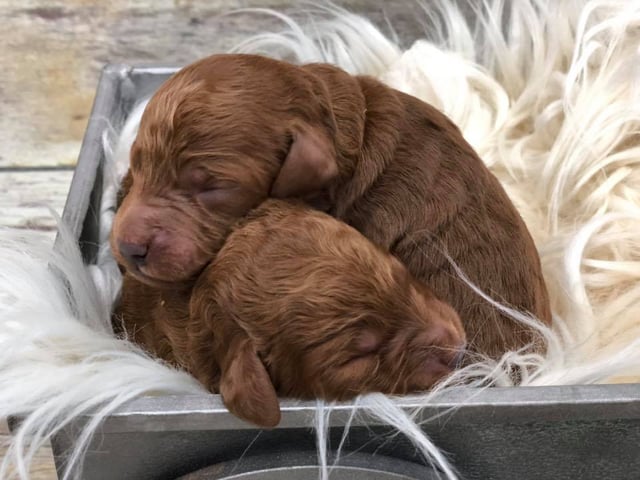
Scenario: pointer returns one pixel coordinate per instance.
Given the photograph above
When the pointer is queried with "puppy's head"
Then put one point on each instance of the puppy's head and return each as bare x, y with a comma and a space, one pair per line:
410, 342
397, 352
331, 314
304, 306
217, 139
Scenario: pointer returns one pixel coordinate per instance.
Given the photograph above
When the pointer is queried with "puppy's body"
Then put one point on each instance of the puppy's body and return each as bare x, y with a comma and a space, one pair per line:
156, 319
300, 304
434, 203
229, 131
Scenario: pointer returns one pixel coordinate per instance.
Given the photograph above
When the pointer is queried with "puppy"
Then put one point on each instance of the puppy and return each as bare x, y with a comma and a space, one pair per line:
156, 319
229, 131
299, 304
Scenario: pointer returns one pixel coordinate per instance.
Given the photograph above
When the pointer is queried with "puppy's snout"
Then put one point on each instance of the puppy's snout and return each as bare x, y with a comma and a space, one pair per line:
446, 340
135, 254
450, 356
458, 358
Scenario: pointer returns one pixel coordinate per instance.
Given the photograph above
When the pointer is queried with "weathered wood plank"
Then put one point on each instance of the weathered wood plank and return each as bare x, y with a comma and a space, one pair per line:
52, 53
43, 467
27, 198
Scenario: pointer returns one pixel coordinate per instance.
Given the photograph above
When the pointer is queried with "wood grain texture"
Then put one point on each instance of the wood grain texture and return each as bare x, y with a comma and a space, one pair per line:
53, 52
27, 198
43, 467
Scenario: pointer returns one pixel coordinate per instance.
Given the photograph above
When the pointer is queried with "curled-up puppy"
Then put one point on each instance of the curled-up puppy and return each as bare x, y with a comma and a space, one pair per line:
298, 304
156, 319
229, 131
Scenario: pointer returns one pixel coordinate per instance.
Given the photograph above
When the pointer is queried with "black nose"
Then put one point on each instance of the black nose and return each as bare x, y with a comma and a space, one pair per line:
133, 253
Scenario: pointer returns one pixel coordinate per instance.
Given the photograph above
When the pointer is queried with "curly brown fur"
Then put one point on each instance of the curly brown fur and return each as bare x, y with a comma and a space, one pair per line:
299, 304
229, 131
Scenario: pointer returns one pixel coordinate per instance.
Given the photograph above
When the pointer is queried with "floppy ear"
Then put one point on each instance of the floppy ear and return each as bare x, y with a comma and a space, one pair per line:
309, 166
246, 388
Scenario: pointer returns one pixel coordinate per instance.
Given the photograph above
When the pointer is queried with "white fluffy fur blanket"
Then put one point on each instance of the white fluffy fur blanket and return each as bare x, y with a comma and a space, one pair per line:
551, 101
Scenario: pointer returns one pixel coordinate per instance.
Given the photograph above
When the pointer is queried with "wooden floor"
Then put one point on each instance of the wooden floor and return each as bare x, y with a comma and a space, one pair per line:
43, 467
51, 55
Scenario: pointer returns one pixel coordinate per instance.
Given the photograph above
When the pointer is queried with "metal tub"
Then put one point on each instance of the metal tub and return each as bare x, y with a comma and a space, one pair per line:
572, 432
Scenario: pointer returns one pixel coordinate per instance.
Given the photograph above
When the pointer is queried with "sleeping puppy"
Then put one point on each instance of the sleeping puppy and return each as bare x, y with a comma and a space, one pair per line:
229, 131
298, 304
156, 319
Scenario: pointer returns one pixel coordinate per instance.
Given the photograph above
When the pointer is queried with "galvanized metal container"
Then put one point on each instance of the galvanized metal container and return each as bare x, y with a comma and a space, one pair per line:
572, 432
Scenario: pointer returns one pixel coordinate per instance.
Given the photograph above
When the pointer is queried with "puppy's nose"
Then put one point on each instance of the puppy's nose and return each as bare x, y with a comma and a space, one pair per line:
459, 357
135, 254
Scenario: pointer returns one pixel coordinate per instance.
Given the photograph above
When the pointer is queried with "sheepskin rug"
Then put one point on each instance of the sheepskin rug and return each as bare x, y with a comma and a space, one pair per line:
548, 94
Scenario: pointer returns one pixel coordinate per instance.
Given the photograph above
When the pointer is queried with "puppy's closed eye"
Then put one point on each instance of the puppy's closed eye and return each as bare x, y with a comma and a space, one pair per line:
197, 179
364, 349
209, 191
217, 196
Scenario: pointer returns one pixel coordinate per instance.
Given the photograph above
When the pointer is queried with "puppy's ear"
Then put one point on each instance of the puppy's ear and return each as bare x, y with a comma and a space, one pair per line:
246, 388
309, 166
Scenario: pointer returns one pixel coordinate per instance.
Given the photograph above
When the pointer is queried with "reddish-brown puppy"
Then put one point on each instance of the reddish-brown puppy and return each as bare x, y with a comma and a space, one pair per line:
156, 319
298, 304
229, 131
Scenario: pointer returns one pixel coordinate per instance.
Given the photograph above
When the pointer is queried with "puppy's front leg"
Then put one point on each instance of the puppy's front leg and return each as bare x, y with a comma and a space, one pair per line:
225, 358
